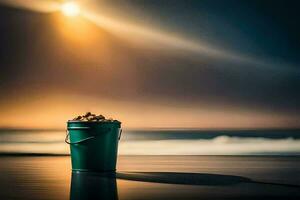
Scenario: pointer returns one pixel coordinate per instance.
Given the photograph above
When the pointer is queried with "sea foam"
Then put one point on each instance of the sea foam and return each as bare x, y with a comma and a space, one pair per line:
159, 143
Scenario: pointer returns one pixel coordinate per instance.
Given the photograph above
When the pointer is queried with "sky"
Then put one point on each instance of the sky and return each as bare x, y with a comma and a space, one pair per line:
151, 64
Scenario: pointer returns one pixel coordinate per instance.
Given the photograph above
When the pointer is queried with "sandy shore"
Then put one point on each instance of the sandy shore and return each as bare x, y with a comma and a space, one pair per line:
153, 177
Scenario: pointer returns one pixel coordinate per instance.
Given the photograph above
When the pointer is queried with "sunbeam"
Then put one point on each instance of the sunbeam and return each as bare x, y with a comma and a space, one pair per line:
145, 35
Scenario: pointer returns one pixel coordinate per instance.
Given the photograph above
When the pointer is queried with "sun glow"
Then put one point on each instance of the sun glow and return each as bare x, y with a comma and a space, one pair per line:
70, 9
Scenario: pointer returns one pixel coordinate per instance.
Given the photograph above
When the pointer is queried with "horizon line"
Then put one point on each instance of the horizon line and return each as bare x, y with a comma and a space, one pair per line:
159, 128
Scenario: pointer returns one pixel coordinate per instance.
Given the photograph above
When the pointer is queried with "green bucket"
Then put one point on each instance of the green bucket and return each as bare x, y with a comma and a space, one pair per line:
93, 145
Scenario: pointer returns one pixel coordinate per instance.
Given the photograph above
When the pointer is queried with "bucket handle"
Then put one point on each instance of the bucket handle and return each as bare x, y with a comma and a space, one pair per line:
85, 139
80, 141
120, 134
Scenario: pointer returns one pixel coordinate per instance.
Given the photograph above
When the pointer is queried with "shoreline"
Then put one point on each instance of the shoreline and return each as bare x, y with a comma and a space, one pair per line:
67, 155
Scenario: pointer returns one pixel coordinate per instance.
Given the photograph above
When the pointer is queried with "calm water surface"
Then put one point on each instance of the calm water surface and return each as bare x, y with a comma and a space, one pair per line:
153, 177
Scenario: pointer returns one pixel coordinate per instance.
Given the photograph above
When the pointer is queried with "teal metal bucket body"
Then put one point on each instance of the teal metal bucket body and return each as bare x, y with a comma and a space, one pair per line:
93, 145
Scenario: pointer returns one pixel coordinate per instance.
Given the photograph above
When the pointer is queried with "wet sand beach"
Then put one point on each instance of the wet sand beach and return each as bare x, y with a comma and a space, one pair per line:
153, 177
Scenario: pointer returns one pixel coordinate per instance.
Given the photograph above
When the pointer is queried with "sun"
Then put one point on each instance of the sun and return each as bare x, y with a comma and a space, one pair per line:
70, 9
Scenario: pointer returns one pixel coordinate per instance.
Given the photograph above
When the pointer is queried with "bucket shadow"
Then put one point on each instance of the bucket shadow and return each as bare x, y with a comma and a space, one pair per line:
183, 178
87, 185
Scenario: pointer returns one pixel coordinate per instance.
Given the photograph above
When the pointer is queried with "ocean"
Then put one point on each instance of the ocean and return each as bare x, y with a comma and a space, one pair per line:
163, 142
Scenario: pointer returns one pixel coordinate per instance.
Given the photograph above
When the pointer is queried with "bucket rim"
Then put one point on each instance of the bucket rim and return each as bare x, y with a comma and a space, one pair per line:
93, 122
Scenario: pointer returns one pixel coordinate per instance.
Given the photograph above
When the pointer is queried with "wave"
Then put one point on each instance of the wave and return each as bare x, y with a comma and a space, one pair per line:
221, 145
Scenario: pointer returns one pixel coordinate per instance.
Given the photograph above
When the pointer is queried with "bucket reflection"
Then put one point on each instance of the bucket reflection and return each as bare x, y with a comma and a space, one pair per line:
87, 185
